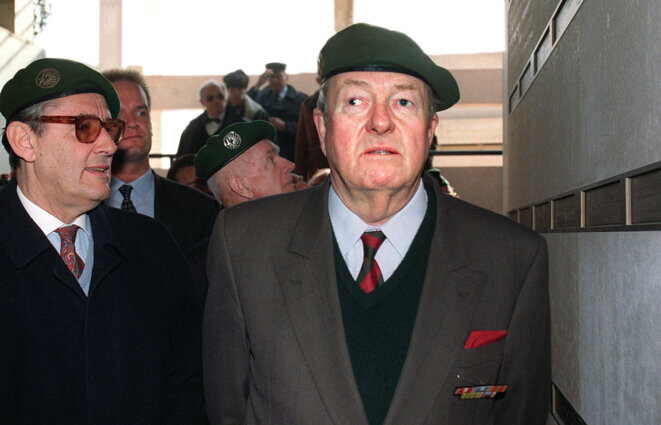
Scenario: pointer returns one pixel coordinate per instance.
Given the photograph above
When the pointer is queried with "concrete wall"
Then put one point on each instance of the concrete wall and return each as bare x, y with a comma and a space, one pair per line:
593, 112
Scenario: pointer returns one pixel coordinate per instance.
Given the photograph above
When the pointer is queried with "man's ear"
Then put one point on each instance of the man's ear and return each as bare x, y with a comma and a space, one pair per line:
433, 123
22, 140
321, 128
240, 186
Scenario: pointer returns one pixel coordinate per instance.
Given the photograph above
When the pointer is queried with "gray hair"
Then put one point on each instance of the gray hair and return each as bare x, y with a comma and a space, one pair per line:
322, 103
210, 83
29, 116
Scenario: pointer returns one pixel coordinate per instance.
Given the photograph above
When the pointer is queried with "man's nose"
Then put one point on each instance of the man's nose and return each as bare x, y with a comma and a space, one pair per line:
286, 164
104, 144
380, 120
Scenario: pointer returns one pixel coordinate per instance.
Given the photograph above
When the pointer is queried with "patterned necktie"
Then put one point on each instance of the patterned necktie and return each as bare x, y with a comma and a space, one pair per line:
370, 276
68, 249
127, 205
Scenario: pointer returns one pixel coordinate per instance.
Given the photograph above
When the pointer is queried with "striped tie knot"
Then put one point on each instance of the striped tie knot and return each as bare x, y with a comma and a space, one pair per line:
370, 276
68, 249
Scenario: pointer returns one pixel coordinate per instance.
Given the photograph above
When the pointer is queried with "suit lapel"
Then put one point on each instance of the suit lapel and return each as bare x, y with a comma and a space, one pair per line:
449, 296
24, 242
306, 273
106, 256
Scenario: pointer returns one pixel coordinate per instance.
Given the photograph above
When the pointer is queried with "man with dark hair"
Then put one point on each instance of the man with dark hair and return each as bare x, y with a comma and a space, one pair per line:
99, 319
245, 106
187, 213
215, 117
182, 171
380, 300
282, 102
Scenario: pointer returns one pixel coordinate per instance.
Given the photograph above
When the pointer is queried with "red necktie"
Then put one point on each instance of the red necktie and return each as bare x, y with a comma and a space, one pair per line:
68, 249
370, 276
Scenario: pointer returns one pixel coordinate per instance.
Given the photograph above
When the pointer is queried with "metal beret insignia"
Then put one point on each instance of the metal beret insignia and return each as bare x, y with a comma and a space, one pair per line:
47, 78
232, 140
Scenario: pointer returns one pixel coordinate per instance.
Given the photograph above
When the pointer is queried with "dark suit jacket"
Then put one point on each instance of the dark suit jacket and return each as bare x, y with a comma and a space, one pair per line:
274, 349
308, 154
195, 134
189, 215
126, 354
285, 109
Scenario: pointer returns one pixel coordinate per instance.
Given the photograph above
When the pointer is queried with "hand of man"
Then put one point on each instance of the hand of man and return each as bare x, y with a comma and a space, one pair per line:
262, 78
277, 123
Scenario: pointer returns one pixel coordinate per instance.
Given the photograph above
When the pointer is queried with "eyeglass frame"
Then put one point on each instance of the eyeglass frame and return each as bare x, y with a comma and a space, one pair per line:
76, 120
212, 97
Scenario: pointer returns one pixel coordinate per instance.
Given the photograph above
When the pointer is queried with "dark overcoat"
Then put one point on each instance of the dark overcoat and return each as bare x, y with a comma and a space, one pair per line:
128, 353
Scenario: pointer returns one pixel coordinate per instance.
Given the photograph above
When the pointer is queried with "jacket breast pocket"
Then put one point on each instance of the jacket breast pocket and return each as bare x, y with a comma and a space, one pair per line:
479, 366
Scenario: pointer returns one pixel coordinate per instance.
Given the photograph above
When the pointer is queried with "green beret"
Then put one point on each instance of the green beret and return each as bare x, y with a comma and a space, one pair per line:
362, 47
49, 78
236, 80
276, 66
224, 147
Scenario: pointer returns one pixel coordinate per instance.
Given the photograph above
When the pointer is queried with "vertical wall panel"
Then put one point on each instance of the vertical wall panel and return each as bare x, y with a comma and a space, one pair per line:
591, 114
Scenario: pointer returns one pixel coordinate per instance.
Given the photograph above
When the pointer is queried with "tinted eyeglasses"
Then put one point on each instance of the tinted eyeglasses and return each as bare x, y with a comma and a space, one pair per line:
88, 127
211, 97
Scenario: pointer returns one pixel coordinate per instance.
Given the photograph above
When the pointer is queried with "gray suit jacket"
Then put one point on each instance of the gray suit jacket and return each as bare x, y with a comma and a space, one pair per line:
274, 349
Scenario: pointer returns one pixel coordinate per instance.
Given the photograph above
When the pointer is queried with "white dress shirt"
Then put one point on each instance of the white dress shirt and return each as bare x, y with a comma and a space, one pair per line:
400, 231
48, 223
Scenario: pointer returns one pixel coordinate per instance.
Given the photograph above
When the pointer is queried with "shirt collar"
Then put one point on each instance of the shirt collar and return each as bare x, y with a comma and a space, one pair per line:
47, 222
283, 93
400, 229
142, 185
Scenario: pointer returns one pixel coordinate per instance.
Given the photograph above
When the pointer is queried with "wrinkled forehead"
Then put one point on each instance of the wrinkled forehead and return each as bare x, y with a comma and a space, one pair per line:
376, 80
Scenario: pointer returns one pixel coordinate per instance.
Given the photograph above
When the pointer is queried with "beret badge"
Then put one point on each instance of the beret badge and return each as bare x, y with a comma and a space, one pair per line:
47, 78
232, 140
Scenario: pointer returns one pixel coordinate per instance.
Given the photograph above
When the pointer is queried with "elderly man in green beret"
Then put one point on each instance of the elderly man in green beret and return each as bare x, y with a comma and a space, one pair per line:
385, 301
99, 321
242, 163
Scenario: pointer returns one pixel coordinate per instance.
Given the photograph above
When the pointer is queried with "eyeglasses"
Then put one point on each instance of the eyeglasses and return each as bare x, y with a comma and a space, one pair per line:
211, 97
88, 127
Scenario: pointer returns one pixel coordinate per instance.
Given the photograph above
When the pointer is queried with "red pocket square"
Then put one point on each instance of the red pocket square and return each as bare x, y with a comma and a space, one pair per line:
481, 338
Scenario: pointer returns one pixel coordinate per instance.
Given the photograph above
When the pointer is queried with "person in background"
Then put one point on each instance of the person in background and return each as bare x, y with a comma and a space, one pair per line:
237, 83
187, 213
309, 157
242, 164
182, 171
215, 117
282, 102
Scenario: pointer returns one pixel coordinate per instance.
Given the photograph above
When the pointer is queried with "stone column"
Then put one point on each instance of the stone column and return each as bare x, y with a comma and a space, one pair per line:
343, 14
110, 34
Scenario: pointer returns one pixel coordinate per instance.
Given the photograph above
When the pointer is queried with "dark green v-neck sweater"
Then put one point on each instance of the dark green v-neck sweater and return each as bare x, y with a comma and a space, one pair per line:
378, 325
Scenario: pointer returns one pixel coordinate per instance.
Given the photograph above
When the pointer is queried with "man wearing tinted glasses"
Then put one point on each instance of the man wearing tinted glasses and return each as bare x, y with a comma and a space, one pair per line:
216, 116
98, 317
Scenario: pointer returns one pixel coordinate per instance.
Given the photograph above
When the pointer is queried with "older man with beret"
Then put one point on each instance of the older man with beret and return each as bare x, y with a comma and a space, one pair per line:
98, 317
386, 301
242, 163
